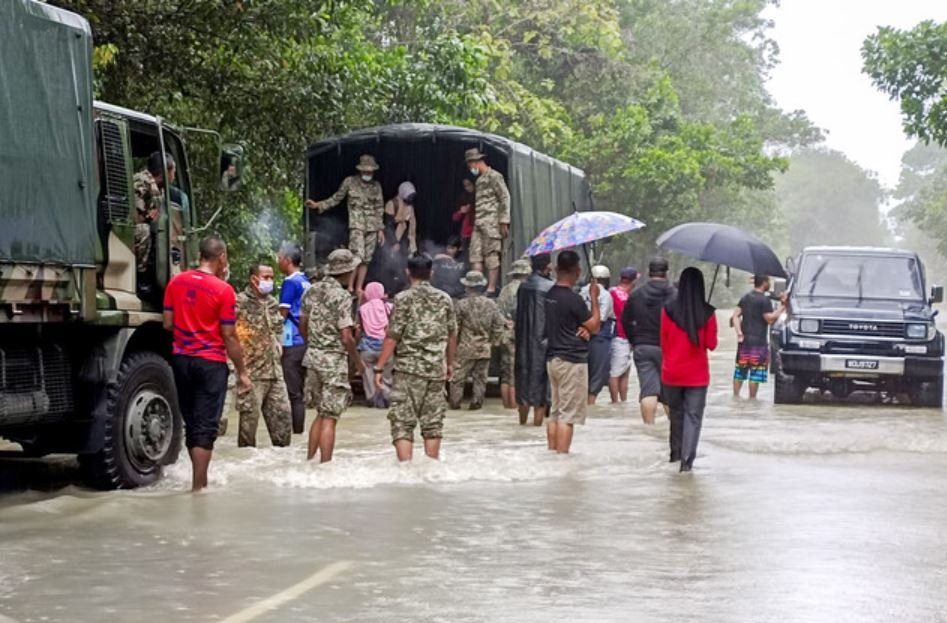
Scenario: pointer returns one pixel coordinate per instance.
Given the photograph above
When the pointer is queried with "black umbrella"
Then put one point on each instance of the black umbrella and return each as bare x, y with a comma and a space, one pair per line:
723, 244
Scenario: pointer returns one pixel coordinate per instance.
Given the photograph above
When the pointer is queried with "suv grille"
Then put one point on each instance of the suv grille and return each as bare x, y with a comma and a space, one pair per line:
863, 328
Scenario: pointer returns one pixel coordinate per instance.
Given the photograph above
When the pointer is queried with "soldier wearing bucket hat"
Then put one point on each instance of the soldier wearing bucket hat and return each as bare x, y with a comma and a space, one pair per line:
491, 217
506, 301
328, 326
366, 206
479, 326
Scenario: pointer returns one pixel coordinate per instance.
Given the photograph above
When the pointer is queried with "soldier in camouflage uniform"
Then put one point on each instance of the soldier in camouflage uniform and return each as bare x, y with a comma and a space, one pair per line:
423, 329
491, 217
260, 330
328, 326
366, 207
506, 301
148, 184
479, 325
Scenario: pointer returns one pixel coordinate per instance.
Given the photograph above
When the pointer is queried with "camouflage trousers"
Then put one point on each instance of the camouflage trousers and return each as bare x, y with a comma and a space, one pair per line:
415, 401
269, 399
508, 362
362, 245
476, 371
142, 246
328, 375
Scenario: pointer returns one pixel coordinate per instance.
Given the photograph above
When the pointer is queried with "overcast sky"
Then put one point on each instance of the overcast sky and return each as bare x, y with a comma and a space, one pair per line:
820, 72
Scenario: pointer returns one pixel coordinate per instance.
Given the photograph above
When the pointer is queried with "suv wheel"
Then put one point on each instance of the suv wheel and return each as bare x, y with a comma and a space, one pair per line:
928, 394
787, 388
143, 429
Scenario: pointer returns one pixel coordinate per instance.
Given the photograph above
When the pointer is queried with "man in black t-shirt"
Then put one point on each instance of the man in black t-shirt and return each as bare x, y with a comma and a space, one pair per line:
751, 320
569, 325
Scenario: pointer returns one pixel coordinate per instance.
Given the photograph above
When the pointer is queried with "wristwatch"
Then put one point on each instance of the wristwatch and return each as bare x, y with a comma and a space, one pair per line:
378, 370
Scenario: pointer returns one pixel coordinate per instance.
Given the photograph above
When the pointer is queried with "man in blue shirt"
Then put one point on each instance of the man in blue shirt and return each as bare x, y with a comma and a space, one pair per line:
294, 346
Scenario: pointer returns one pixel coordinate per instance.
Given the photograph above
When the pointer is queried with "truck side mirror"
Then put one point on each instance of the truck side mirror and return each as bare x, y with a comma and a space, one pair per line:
937, 294
231, 166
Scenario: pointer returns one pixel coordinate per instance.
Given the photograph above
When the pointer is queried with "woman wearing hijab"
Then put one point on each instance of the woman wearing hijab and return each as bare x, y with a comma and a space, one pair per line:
688, 331
373, 320
401, 209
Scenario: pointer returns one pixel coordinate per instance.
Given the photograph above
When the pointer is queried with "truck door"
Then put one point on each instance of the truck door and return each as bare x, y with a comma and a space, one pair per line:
180, 208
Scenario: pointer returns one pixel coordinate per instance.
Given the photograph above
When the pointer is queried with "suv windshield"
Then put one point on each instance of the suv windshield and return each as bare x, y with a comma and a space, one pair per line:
860, 276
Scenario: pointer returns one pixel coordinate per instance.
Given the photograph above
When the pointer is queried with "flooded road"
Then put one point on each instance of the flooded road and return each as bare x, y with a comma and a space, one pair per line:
811, 513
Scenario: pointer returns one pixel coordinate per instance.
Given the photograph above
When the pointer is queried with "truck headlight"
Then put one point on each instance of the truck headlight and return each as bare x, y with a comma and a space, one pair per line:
808, 325
917, 331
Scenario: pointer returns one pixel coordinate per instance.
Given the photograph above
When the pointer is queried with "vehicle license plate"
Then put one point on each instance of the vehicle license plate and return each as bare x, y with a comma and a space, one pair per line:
861, 364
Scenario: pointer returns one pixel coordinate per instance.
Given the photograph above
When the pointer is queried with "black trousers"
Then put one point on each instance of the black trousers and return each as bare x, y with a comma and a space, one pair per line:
686, 405
202, 389
295, 376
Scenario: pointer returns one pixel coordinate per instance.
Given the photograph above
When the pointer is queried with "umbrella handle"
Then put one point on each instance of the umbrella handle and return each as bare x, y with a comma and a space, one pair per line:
713, 283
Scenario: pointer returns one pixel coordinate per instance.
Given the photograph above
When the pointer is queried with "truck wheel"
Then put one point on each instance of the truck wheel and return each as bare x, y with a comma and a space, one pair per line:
787, 390
928, 394
143, 427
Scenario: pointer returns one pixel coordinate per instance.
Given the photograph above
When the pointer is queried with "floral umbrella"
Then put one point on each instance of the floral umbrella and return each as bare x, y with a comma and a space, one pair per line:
581, 228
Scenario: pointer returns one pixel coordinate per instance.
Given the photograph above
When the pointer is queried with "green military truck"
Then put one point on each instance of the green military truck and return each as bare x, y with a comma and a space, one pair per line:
83, 357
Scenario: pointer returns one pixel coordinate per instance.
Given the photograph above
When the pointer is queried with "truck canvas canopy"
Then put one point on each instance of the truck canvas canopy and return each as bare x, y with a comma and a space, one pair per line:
47, 198
543, 189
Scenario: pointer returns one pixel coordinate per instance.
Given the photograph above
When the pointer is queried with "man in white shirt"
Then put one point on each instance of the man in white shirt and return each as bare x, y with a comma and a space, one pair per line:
600, 344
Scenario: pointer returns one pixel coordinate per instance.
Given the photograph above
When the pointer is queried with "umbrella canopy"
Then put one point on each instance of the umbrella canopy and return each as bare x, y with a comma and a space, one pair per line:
580, 228
723, 244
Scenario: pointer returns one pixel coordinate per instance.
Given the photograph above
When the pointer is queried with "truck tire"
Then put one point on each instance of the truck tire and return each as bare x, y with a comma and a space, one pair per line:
143, 427
928, 394
787, 390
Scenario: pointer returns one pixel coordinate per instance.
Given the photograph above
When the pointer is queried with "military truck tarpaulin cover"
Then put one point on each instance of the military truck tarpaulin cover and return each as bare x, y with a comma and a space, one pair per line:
542, 189
47, 179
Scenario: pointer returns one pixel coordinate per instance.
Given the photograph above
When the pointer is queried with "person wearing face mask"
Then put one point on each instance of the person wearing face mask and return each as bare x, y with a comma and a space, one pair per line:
260, 330
401, 210
200, 312
491, 218
366, 207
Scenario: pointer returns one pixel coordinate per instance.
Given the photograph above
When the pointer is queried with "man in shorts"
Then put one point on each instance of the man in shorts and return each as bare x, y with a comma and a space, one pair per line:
642, 322
751, 321
422, 336
620, 356
200, 312
328, 326
569, 326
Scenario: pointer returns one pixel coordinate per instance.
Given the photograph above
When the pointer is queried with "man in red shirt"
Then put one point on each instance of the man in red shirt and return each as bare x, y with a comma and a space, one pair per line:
200, 311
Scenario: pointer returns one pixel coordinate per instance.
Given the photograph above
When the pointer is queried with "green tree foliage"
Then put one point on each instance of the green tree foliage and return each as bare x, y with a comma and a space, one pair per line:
921, 214
911, 67
662, 102
825, 198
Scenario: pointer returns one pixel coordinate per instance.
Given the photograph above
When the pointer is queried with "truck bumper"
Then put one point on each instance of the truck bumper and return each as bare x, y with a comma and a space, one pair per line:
861, 366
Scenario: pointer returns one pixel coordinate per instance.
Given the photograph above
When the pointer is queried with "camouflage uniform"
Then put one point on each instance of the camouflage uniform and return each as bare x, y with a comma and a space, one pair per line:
492, 210
366, 206
422, 321
328, 306
479, 325
260, 328
147, 198
506, 302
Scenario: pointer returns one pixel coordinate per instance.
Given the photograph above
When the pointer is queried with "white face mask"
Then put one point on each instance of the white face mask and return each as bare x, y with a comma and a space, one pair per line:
366, 178
265, 286
474, 171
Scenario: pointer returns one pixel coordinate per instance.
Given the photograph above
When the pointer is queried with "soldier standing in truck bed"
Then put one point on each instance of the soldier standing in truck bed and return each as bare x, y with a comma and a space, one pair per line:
366, 207
479, 326
260, 329
491, 218
147, 185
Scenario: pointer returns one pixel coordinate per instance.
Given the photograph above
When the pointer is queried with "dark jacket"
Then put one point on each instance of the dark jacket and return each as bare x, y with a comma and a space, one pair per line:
641, 317
446, 275
532, 383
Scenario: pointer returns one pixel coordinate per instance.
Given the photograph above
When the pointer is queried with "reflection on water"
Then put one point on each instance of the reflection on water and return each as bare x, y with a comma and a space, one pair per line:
805, 513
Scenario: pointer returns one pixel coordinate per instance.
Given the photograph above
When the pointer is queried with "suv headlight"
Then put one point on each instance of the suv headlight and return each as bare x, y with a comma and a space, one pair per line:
808, 325
919, 331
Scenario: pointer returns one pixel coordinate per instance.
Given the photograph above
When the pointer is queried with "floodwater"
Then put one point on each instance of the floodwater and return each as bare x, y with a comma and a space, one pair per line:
819, 512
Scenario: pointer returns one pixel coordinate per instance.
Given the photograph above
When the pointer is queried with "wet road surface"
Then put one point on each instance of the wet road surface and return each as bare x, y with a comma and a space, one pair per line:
810, 513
